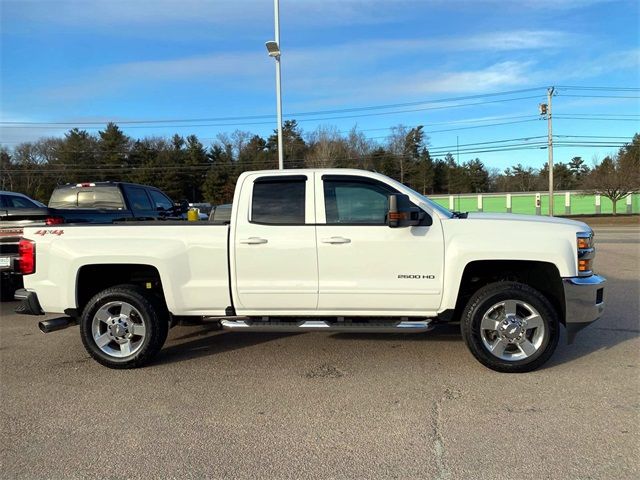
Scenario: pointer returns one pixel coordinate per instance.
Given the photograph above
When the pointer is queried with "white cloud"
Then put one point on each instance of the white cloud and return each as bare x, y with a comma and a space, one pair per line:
494, 77
607, 63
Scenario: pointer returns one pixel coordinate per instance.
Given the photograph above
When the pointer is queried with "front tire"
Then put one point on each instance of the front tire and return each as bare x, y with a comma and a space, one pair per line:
123, 327
510, 327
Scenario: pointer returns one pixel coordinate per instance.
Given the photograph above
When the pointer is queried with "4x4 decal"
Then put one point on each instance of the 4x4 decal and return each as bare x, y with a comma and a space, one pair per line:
42, 233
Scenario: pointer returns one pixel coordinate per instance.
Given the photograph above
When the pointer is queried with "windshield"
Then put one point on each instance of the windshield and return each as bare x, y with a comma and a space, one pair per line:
436, 206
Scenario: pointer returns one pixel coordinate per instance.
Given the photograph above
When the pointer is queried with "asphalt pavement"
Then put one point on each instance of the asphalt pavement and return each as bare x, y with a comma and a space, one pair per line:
321, 405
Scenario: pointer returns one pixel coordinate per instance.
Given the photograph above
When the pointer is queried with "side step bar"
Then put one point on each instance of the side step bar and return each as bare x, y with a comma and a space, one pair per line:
324, 326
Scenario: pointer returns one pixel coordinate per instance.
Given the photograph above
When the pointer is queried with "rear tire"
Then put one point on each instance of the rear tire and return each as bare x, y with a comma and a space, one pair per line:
124, 327
510, 327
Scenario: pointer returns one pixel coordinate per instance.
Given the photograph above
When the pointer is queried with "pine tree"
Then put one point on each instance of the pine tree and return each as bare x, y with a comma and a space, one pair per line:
112, 156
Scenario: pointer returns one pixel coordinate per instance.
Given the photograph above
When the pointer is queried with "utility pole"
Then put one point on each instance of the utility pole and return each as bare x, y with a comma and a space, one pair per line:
545, 110
550, 91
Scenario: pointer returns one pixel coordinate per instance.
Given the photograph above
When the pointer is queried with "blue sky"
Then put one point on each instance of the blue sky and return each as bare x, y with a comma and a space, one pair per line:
126, 60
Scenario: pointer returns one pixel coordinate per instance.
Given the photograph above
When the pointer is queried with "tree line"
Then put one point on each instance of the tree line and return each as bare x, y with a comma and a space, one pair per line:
185, 169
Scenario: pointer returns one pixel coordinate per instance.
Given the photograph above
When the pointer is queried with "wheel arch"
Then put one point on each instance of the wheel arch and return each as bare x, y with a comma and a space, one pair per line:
94, 278
543, 276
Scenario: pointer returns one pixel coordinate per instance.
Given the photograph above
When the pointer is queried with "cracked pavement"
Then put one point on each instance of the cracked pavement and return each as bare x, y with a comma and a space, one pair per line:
319, 405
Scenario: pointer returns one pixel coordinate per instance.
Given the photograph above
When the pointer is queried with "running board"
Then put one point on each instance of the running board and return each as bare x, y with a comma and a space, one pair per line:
324, 326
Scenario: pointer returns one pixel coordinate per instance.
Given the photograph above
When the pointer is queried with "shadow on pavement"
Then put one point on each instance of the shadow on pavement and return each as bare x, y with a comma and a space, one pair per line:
210, 340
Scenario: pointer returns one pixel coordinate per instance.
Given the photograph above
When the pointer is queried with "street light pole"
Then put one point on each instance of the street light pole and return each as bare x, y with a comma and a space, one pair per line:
550, 91
276, 8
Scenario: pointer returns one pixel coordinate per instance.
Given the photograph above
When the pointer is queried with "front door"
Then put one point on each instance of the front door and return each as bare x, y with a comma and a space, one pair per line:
275, 261
366, 267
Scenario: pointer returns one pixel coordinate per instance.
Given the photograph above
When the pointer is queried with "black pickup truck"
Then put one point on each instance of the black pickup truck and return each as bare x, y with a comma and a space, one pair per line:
96, 202
109, 202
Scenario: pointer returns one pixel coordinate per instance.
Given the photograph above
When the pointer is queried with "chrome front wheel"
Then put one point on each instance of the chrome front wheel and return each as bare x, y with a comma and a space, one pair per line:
512, 330
510, 327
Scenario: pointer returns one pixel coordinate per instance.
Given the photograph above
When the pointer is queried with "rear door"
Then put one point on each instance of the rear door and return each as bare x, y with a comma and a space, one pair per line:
274, 265
366, 267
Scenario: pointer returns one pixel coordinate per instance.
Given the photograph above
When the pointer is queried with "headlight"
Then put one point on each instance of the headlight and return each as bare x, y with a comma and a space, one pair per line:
585, 252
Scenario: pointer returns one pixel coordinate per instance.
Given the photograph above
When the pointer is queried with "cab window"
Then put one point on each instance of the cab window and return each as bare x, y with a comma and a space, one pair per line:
355, 202
279, 200
138, 199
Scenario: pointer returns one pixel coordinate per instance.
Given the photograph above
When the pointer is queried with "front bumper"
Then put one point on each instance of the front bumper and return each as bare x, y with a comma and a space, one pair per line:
584, 302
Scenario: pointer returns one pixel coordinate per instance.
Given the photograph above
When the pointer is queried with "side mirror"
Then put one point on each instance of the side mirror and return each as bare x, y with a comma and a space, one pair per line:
181, 207
403, 213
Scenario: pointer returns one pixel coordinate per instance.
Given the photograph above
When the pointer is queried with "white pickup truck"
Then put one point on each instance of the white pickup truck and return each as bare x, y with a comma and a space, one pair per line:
319, 250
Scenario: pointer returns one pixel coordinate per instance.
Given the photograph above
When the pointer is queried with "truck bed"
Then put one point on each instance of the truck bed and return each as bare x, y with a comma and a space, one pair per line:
191, 258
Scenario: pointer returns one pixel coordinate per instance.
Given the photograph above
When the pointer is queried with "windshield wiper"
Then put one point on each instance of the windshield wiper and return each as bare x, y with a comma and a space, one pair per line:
460, 214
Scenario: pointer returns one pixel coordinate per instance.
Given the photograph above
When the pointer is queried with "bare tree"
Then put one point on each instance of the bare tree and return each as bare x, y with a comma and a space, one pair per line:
397, 145
327, 147
617, 177
360, 148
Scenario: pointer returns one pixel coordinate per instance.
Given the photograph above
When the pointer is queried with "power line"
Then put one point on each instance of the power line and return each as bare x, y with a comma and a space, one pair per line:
589, 136
601, 119
334, 111
597, 96
425, 124
362, 115
296, 114
532, 118
603, 114
615, 89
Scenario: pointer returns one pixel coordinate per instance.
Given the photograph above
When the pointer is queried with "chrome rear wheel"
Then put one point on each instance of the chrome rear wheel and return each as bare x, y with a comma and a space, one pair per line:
119, 329
124, 326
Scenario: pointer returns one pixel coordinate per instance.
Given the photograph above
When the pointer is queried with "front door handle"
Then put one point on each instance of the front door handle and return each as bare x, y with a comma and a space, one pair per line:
254, 240
335, 240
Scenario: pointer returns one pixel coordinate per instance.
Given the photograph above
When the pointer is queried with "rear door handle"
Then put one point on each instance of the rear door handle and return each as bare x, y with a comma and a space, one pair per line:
335, 240
254, 240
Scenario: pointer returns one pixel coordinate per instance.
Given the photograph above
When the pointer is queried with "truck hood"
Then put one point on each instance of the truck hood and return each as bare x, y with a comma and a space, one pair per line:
510, 217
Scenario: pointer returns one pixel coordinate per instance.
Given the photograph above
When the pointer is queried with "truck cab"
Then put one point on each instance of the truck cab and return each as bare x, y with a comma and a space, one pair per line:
331, 230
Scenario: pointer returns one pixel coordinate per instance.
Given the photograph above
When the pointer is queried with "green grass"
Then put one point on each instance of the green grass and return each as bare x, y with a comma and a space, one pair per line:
525, 204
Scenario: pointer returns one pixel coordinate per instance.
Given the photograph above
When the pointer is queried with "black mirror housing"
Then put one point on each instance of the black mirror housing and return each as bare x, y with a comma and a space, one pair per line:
403, 213
181, 207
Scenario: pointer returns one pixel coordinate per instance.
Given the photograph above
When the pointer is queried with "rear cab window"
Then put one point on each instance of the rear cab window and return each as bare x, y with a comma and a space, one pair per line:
279, 200
105, 198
